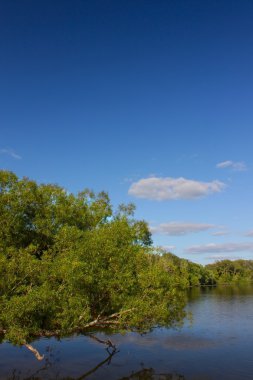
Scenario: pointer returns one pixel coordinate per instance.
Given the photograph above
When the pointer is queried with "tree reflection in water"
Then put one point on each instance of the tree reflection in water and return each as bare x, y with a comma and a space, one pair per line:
49, 362
150, 374
143, 374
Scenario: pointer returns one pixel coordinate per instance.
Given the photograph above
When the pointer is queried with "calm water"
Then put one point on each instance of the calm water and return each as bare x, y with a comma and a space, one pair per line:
218, 344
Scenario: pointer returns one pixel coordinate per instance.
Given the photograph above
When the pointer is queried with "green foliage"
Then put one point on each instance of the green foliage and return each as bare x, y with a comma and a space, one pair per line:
190, 273
68, 264
227, 271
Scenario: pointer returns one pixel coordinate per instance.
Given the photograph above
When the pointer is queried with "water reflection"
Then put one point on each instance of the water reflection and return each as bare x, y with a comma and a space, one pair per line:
217, 345
144, 374
220, 291
50, 361
150, 374
93, 370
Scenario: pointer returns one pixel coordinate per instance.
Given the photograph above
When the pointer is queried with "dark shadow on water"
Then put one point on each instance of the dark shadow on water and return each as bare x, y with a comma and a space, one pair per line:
150, 374
143, 374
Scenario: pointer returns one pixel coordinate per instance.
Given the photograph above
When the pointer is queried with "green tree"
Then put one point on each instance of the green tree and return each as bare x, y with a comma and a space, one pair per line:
68, 263
227, 271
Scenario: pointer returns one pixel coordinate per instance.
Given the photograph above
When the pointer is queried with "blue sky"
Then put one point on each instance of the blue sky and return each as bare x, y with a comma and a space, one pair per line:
151, 101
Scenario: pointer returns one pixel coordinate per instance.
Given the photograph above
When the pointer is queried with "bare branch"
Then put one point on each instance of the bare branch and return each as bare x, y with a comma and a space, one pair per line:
108, 342
120, 313
34, 351
106, 320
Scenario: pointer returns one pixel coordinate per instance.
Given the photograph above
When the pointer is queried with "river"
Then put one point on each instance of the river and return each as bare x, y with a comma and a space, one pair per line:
216, 343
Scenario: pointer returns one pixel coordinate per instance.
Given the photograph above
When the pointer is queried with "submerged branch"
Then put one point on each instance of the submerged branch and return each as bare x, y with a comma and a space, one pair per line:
107, 342
107, 360
34, 351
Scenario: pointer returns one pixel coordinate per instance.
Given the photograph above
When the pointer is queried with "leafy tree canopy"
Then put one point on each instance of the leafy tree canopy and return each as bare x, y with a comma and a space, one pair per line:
69, 263
227, 271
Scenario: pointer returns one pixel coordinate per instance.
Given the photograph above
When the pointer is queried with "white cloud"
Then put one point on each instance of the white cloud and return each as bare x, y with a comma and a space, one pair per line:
11, 153
236, 166
220, 248
180, 228
166, 188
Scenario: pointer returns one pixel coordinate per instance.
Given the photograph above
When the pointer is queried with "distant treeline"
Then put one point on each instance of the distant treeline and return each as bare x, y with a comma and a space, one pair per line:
70, 263
220, 272
227, 271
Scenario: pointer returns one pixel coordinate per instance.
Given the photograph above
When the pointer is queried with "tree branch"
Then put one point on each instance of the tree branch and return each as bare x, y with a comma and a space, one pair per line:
106, 320
34, 351
107, 342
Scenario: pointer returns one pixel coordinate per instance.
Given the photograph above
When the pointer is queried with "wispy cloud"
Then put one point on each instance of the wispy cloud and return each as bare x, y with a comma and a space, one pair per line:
180, 228
166, 188
220, 233
127, 180
220, 248
249, 233
219, 257
236, 166
10, 152
168, 248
